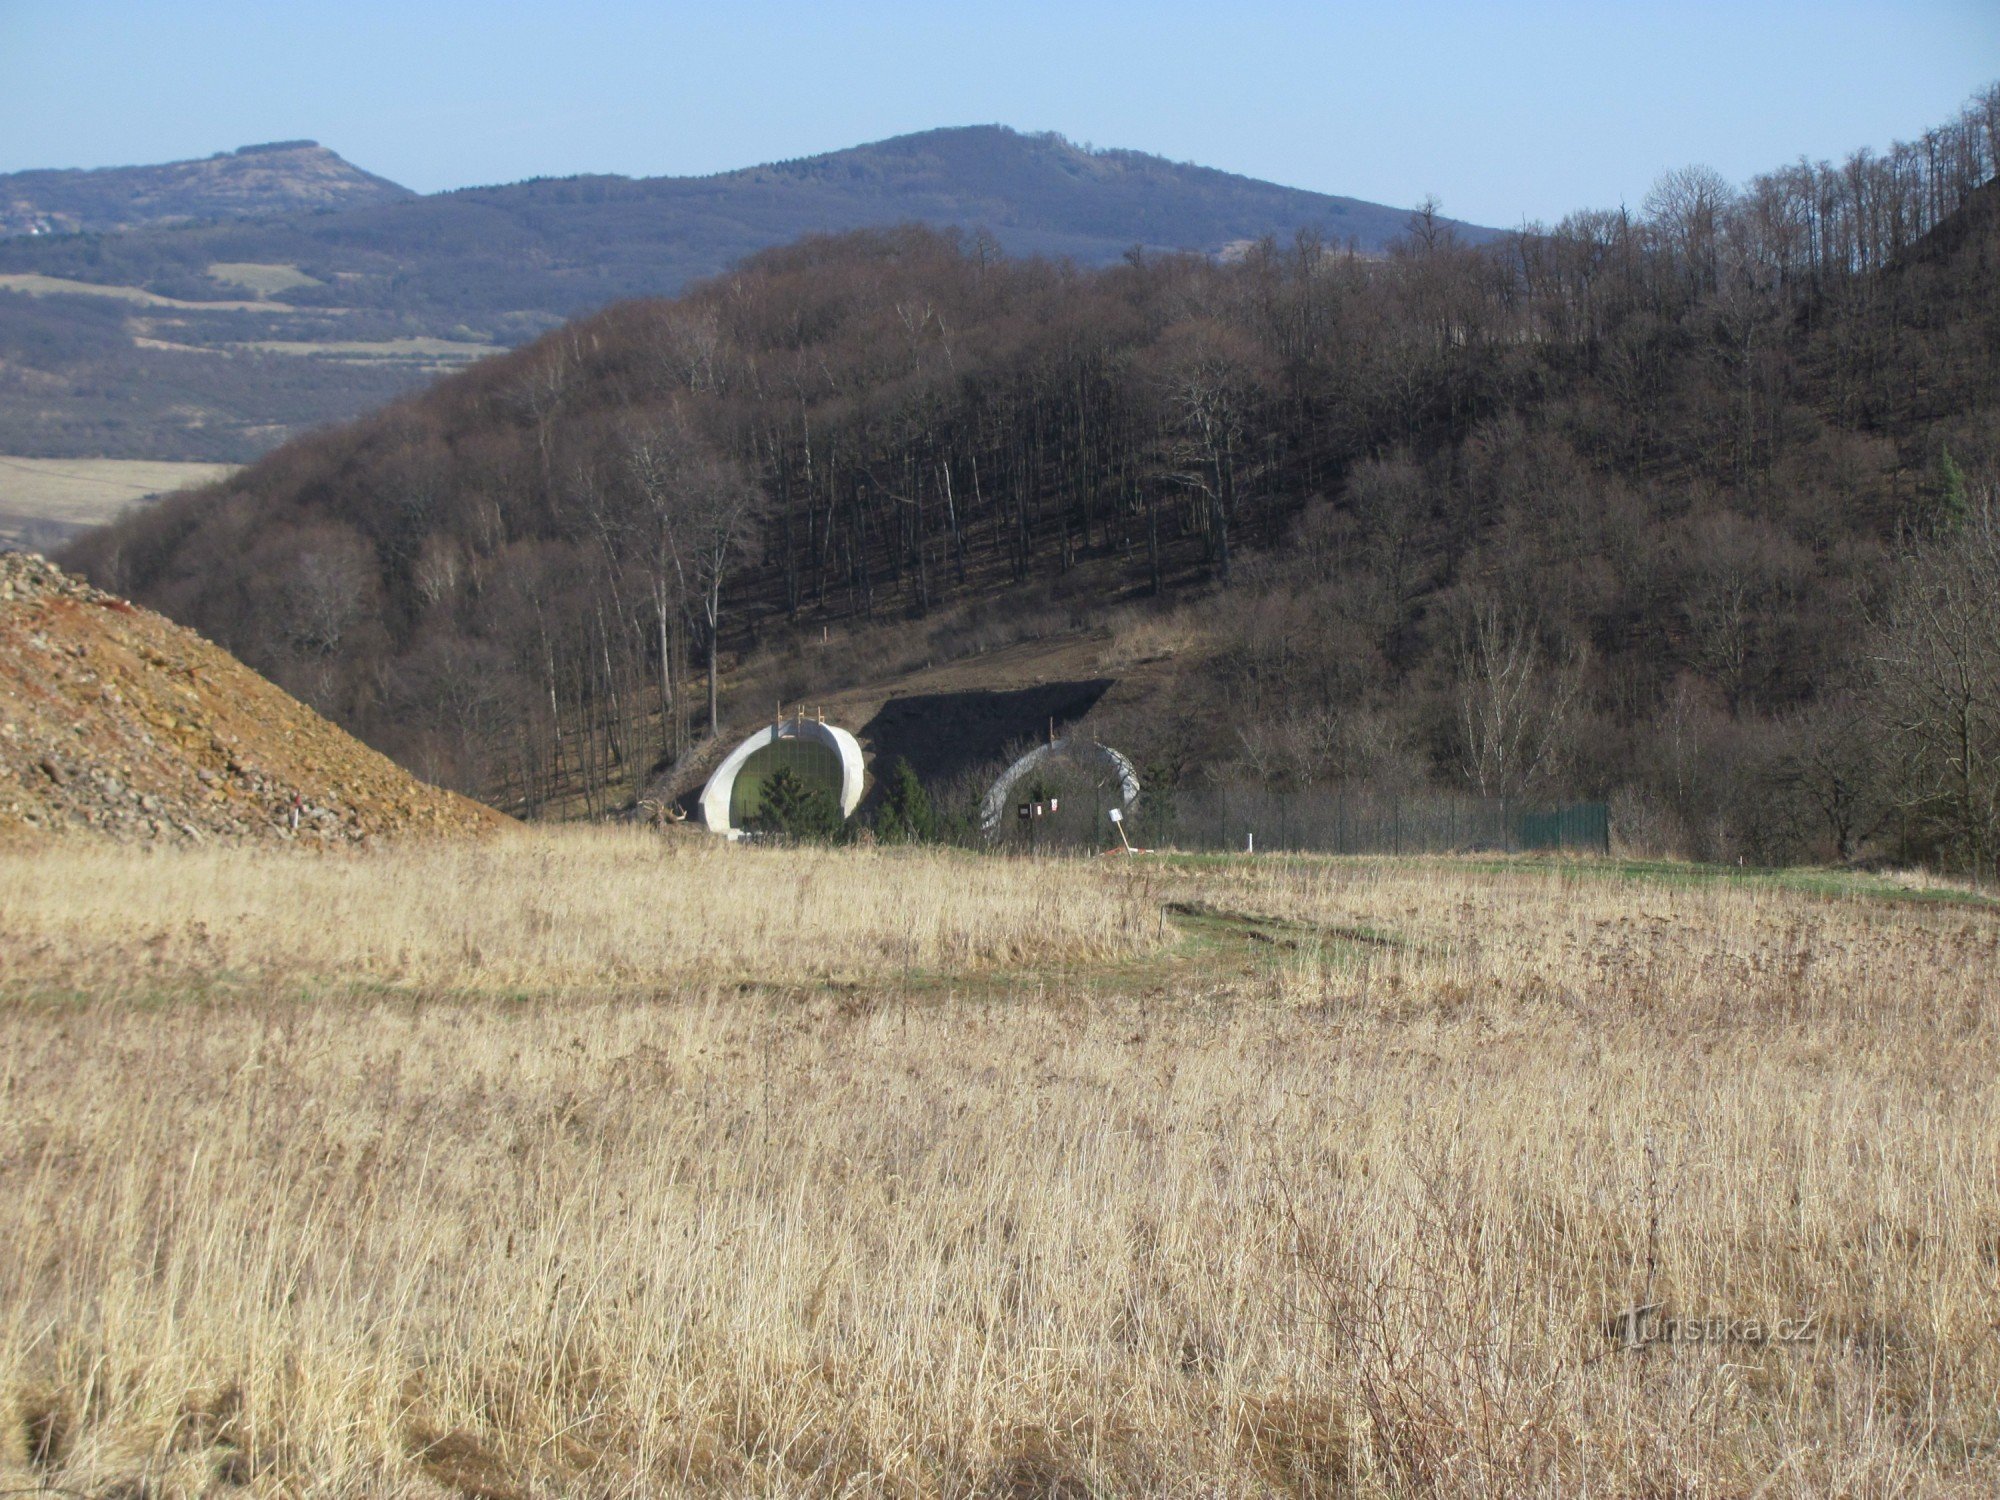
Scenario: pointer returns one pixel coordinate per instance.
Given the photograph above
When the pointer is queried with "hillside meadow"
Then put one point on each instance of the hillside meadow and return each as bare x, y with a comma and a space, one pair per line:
582, 1162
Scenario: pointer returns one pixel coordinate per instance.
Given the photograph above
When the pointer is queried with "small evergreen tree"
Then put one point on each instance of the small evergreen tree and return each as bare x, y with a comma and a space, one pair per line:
1949, 504
906, 815
797, 809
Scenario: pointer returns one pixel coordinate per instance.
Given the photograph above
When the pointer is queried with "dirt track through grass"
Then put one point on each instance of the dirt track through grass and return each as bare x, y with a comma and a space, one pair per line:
1105, 1199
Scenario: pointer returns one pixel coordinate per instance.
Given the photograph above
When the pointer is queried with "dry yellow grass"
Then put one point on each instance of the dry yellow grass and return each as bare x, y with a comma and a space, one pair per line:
34, 284
261, 278
70, 493
927, 1175
368, 351
1147, 635
562, 910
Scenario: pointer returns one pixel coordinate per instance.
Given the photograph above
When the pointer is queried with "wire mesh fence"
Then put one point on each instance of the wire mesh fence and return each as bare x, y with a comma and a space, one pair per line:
1339, 822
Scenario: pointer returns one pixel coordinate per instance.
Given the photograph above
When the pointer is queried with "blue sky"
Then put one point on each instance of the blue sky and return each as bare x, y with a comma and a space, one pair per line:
1505, 111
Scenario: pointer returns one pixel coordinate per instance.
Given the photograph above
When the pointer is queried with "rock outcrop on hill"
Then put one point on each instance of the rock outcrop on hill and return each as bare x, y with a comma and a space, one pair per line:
118, 723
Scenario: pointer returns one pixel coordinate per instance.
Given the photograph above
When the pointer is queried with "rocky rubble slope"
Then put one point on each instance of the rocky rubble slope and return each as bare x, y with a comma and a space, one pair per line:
117, 722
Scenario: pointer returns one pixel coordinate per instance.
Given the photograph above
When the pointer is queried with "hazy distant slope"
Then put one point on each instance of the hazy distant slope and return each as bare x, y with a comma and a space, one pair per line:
282, 177
497, 265
558, 246
1041, 192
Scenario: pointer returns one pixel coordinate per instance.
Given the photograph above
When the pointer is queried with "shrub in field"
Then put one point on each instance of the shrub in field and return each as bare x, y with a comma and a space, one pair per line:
906, 815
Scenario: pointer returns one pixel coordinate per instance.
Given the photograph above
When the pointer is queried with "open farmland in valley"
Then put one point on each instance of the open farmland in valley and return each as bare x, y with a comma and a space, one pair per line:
440, 352
42, 499
262, 279
34, 284
592, 1162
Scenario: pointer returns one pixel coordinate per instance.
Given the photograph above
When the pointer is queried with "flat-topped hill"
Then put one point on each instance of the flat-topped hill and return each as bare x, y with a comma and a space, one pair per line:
277, 178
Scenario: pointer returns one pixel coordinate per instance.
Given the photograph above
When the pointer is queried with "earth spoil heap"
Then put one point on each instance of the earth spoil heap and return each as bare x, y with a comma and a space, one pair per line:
118, 723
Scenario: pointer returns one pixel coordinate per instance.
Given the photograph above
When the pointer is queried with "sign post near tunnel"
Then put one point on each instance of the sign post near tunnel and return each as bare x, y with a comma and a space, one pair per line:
1086, 754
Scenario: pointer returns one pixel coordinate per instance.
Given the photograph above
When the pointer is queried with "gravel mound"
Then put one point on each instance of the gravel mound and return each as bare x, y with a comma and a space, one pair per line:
118, 723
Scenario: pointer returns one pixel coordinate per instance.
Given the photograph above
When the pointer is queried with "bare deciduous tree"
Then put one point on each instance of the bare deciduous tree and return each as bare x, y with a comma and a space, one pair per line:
692, 512
1833, 764
1207, 380
1514, 706
1687, 207
723, 510
329, 588
1937, 683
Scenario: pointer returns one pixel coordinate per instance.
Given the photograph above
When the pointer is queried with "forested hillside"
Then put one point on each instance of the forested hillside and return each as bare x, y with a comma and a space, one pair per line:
1691, 507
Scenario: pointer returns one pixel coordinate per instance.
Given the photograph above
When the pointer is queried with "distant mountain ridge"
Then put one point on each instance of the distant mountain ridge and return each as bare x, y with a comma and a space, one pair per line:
355, 304
253, 181
561, 245
1039, 193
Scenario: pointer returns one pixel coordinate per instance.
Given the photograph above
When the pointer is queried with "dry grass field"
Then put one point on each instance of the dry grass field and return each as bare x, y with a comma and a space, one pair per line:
426, 349
34, 284
58, 496
576, 1163
260, 278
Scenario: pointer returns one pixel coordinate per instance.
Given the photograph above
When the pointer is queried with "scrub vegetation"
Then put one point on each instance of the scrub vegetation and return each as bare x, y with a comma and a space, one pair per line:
906, 1172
